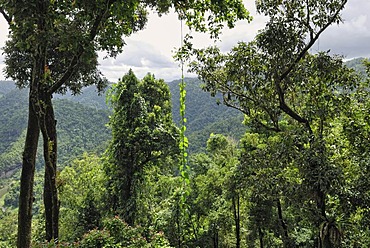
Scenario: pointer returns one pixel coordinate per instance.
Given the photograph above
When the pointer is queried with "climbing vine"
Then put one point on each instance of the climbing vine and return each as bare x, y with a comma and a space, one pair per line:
184, 143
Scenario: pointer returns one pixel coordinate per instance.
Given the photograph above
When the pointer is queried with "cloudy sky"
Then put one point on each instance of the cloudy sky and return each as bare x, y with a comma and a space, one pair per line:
151, 50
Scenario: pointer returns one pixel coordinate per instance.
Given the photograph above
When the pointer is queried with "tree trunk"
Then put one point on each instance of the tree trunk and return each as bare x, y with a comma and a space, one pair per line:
236, 208
29, 153
27, 177
324, 241
51, 203
260, 236
283, 225
215, 236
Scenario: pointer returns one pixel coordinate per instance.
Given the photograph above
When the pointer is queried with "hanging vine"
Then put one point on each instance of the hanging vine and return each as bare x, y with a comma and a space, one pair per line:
184, 166
184, 190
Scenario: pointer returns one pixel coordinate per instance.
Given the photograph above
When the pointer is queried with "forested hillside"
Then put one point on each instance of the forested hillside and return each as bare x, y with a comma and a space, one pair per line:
13, 113
205, 114
6, 87
81, 128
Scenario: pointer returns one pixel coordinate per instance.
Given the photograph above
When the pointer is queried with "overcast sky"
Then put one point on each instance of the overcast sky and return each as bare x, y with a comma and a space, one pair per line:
151, 50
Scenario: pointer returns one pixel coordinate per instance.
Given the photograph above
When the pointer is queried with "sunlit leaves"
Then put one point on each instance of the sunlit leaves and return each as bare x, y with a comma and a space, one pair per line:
82, 189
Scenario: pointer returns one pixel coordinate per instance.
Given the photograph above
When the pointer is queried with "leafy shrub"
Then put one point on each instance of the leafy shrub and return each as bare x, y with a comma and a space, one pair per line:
117, 233
97, 239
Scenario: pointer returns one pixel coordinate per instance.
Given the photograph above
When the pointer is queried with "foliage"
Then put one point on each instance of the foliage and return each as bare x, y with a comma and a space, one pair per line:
115, 233
293, 102
211, 220
118, 234
143, 134
299, 178
81, 187
8, 228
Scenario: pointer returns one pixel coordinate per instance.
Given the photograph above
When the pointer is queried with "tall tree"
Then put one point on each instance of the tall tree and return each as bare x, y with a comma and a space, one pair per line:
53, 47
273, 79
143, 133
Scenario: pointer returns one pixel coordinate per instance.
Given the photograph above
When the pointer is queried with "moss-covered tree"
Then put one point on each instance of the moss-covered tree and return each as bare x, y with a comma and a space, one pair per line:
143, 133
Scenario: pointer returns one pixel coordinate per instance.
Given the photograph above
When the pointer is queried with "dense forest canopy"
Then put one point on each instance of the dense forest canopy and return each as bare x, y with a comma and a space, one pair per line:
283, 164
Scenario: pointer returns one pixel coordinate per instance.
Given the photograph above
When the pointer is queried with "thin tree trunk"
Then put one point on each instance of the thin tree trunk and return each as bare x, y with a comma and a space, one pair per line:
260, 236
283, 225
236, 208
27, 177
129, 201
215, 238
324, 241
29, 153
51, 203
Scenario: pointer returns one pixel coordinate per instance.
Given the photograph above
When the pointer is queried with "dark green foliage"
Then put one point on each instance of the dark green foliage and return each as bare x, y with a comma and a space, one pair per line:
143, 134
117, 233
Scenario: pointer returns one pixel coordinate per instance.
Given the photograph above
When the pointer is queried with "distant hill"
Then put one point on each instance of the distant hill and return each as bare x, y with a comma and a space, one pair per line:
90, 97
80, 128
13, 112
357, 65
6, 87
204, 116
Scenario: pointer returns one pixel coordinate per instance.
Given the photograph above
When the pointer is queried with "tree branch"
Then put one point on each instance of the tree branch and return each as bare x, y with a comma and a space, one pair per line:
247, 112
80, 51
283, 106
6, 16
312, 42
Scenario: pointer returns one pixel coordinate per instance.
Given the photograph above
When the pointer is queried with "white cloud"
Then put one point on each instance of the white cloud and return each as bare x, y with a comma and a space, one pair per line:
352, 37
3, 37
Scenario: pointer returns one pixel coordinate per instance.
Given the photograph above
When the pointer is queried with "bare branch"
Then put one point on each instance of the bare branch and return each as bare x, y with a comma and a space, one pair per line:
6, 16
